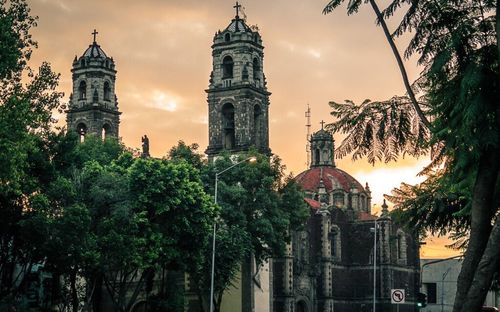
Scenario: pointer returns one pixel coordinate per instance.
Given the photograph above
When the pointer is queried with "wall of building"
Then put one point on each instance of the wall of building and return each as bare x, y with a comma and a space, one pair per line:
439, 282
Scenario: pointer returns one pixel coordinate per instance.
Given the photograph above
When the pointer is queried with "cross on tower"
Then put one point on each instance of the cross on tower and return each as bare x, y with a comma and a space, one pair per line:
237, 7
322, 124
94, 33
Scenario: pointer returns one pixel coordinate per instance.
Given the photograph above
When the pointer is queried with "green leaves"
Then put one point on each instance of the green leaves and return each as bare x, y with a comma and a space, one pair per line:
380, 131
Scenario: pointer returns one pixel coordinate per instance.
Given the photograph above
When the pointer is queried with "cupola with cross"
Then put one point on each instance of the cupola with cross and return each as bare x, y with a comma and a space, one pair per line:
238, 99
93, 105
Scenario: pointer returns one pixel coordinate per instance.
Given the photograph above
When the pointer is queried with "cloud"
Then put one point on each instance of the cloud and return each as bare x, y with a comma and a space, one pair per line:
164, 101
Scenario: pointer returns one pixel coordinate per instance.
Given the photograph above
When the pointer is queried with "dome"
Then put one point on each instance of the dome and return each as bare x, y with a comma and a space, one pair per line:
333, 179
94, 50
238, 25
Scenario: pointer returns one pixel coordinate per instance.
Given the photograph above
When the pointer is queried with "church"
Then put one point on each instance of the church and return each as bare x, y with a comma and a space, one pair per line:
345, 258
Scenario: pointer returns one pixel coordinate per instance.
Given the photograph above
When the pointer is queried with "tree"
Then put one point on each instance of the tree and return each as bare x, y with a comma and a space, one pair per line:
259, 206
458, 46
25, 121
133, 217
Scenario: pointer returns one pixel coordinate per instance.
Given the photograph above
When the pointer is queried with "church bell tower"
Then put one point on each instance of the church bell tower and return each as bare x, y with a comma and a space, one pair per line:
238, 100
93, 106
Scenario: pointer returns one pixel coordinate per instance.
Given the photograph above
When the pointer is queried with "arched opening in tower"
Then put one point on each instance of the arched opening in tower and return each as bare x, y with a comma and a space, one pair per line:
81, 129
82, 90
227, 67
105, 132
228, 126
317, 157
107, 91
257, 125
256, 71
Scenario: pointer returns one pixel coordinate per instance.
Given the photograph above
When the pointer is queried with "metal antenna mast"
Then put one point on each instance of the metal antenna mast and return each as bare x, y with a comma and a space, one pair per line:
308, 135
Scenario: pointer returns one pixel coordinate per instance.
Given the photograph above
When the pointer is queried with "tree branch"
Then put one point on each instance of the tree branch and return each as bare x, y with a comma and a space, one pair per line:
402, 68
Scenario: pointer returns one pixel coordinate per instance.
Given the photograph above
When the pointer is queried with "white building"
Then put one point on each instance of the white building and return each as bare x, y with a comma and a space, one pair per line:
439, 282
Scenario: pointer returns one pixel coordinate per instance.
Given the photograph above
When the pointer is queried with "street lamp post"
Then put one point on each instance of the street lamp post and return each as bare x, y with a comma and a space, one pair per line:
374, 265
217, 174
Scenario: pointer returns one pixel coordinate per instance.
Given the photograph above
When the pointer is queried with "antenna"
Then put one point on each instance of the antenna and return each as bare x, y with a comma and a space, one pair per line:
308, 135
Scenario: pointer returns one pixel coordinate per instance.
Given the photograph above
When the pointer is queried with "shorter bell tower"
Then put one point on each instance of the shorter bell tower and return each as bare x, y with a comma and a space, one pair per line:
93, 105
322, 147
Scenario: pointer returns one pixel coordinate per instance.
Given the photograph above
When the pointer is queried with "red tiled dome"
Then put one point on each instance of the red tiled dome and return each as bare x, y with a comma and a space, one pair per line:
309, 179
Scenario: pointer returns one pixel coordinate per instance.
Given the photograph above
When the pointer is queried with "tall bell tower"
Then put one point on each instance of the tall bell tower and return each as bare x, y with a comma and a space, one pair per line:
93, 106
238, 100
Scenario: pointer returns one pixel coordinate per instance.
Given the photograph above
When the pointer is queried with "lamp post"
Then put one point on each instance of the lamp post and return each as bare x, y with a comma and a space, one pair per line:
217, 174
374, 265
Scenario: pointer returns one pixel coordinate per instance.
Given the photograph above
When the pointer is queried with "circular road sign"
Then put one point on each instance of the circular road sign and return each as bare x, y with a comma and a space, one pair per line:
397, 296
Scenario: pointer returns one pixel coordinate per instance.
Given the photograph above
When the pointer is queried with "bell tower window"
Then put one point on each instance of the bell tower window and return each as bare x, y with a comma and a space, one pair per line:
105, 132
227, 67
256, 71
107, 91
228, 126
81, 129
82, 90
257, 122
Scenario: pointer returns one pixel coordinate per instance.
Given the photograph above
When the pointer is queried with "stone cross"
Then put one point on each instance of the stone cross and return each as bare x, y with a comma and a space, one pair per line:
237, 7
322, 124
94, 33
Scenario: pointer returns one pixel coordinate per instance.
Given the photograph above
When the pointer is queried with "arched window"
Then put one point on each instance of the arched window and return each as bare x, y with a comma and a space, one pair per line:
256, 69
228, 126
401, 247
227, 37
257, 124
82, 63
82, 90
105, 132
336, 243
95, 97
227, 67
81, 129
107, 91
317, 156
338, 199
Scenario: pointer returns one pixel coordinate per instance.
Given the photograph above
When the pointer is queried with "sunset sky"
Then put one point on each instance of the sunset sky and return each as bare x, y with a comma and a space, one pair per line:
162, 52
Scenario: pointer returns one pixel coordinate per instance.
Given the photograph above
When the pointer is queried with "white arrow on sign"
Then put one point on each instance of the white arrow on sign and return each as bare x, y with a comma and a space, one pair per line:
397, 296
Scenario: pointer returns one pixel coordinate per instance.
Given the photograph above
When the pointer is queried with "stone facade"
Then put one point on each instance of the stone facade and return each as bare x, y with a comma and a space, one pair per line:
329, 264
93, 105
238, 100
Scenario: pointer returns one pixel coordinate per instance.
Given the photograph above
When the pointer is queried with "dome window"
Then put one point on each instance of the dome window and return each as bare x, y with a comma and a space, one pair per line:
227, 37
227, 67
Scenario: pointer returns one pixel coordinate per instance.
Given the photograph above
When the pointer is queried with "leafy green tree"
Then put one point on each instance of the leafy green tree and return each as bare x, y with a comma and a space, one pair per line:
25, 120
458, 45
259, 205
134, 216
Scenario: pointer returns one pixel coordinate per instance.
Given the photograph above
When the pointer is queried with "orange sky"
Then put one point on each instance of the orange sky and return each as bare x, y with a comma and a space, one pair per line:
162, 51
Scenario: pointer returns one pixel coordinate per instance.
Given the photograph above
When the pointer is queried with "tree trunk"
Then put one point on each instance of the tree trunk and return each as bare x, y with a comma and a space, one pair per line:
485, 271
482, 212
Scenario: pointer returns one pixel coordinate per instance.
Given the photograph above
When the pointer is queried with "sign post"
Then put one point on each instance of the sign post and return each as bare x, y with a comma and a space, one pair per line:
397, 297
